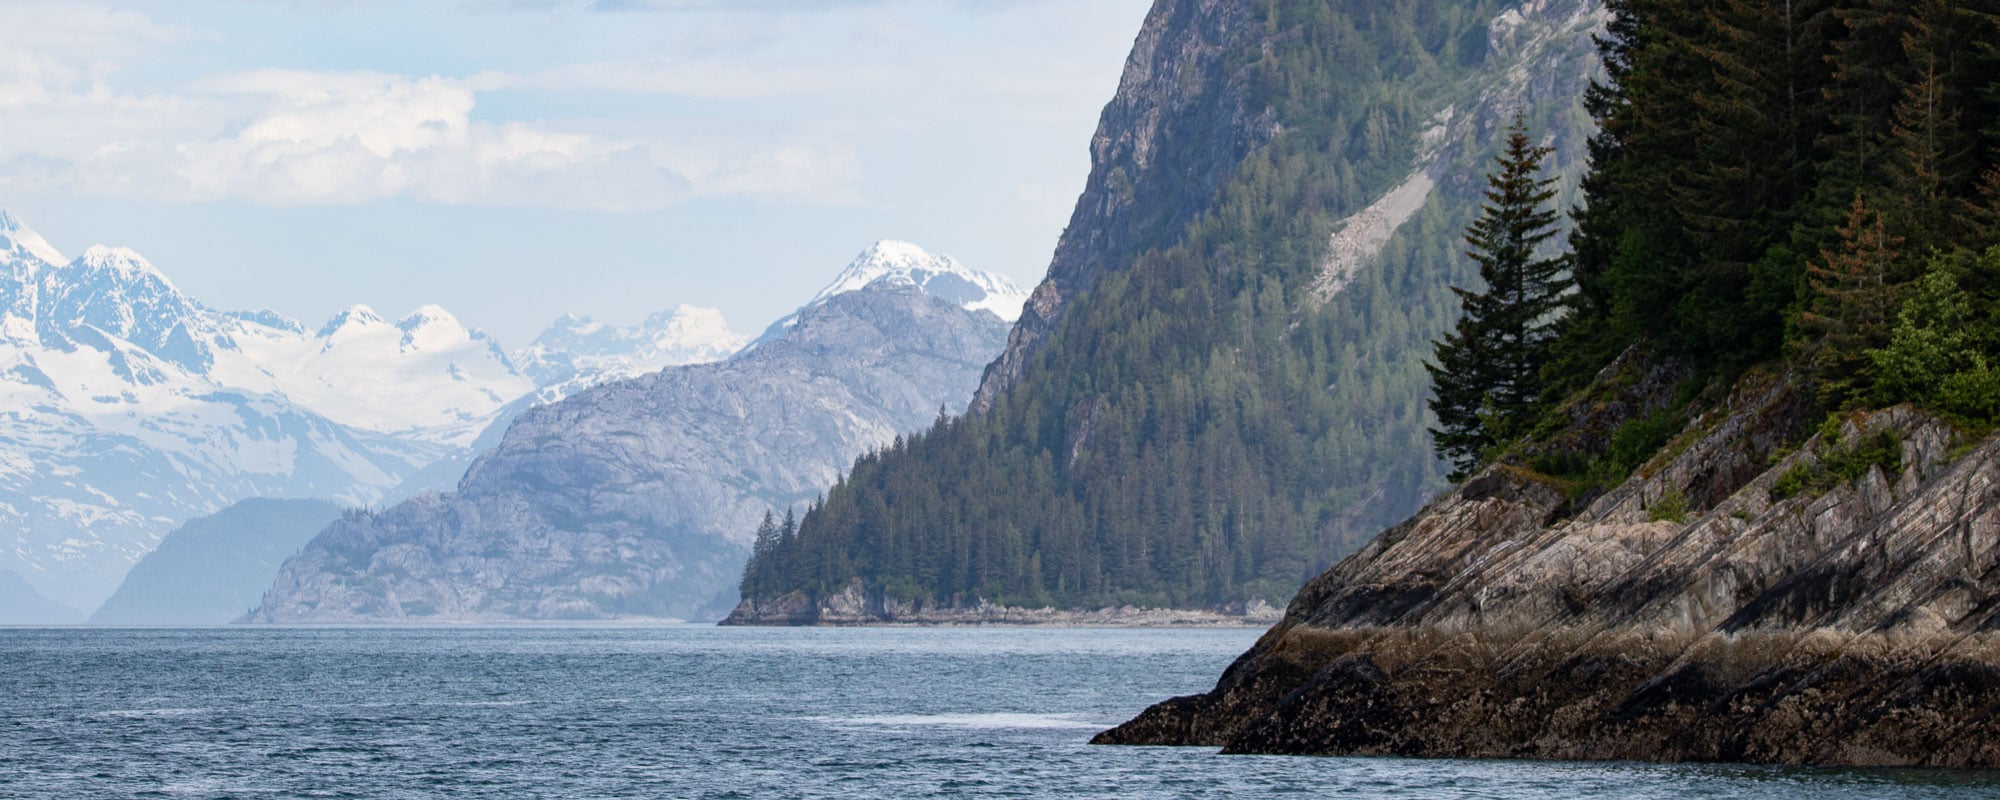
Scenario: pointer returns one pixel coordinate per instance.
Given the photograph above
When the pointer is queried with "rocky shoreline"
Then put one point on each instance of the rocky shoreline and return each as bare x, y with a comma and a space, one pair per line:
1734, 600
856, 605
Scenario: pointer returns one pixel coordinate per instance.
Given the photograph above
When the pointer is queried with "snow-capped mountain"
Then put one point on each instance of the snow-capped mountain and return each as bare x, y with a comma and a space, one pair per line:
637, 498
578, 351
893, 263
126, 407
423, 377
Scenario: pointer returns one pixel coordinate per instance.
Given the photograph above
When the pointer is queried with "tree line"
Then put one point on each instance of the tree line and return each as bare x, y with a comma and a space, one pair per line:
1197, 431
1809, 182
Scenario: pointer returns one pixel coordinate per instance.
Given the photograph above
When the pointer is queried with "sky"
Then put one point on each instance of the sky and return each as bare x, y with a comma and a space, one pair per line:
515, 160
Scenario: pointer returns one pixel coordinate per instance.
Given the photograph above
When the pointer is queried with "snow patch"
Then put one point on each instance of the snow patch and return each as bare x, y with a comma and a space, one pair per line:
891, 262
18, 238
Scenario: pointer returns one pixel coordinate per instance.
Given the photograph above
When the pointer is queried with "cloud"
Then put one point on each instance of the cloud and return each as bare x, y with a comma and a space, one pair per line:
299, 137
783, 114
355, 137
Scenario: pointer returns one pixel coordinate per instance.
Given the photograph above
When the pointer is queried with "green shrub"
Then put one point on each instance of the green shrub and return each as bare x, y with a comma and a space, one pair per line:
1671, 507
1636, 441
1841, 463
1943, 350
1794, 482
1880, 449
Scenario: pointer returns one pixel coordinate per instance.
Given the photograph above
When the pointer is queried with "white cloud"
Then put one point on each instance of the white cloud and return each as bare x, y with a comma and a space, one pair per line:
291, 137
73, 118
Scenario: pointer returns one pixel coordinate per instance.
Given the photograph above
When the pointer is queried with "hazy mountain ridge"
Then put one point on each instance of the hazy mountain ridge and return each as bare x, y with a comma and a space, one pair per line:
214, 568
20, 604
636, 498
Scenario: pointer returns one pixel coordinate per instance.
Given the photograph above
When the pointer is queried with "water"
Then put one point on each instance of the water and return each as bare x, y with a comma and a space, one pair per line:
707, 712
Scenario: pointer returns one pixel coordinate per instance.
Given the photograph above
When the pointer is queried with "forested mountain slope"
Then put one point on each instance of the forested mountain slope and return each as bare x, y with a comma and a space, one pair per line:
1218, 389
1759, 518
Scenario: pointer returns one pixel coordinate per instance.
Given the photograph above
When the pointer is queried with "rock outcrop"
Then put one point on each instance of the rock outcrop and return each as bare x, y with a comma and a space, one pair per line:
636, 499
1733, 601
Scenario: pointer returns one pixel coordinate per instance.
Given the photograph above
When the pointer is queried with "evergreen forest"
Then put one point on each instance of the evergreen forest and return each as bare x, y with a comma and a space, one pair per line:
1807, 182
1808, 186
1198, 430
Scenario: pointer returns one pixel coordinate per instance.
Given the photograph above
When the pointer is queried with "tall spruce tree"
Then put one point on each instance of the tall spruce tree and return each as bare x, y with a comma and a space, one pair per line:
1487, 379
759, 573
1851, 304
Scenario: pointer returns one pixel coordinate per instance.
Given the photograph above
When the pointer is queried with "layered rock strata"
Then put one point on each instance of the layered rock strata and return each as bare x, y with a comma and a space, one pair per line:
1733, 601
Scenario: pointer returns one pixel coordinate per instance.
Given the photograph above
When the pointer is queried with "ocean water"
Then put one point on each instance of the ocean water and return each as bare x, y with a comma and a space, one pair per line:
700, 711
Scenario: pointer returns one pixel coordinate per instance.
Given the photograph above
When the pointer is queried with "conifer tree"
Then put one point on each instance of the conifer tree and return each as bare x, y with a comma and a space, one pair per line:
1982, 211
1852, 297
757, 575
1487, 379
1931, 158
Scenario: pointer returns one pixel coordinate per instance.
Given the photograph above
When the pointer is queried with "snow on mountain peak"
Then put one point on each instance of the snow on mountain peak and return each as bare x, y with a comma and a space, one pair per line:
123, 262
900, 263
574, 352
694, 327
18, 238
574, 324
426, 316
357, 314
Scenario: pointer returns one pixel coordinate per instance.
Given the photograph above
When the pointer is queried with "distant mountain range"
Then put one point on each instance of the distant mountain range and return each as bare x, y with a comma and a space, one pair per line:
638, 498
576, 352
214, 568
128, 406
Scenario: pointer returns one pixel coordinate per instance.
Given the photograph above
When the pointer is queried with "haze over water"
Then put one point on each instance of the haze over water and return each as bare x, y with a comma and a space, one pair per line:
707, 712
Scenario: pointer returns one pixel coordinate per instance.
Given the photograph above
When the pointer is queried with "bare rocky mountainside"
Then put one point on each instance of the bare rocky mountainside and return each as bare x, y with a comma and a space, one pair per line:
637, 498
1733, 600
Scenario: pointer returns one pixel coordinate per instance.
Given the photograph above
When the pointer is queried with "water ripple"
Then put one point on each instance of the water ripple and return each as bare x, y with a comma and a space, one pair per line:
709, 712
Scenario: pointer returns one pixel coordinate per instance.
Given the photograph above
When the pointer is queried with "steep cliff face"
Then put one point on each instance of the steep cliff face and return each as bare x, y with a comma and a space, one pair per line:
1182, 119
1218, 390
635, 499
1836, 604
